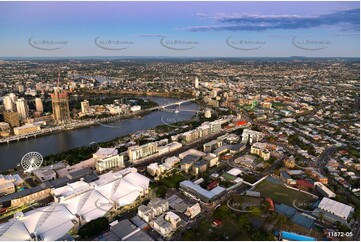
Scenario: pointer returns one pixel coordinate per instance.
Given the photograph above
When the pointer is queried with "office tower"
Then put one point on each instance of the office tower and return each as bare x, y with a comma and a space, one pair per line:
8, 103
21, 88
22, 108
196, 82
13, 97
39, 105
39, 86
12, 118
85, 106
60, 104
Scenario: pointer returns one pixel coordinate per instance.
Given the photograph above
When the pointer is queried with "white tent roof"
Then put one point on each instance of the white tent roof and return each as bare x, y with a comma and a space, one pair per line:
90, 205
50, 223
105, 179
120, 190
128, 198
137, 180
124, 190
72, 188
13, 230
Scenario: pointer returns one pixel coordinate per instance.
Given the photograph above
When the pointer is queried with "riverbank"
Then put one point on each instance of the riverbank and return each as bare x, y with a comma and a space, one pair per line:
79, 125
58, 142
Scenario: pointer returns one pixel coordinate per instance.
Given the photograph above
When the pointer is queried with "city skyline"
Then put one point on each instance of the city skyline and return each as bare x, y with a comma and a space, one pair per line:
202, 29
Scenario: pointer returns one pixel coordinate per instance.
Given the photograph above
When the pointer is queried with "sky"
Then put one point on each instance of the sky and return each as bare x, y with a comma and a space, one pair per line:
199, 29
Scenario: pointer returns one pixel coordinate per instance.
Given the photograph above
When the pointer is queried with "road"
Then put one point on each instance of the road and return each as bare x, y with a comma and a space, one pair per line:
325, 156
196, 145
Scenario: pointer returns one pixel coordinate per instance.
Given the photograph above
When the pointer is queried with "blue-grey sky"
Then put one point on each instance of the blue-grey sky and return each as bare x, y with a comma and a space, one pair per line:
230, 29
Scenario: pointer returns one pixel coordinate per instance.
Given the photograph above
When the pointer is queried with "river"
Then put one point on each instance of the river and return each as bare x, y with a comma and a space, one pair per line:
11, 154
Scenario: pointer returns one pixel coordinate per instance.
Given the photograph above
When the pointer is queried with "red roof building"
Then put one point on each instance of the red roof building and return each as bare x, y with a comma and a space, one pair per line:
303, 184
240, 123
218, 222
212, 185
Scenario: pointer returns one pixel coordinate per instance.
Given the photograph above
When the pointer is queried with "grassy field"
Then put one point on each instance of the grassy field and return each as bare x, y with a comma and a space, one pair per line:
281, 194
172, 181
206, 232
242, 202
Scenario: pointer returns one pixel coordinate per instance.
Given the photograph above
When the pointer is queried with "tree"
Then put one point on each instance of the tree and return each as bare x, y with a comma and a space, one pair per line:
262, 236
283, 220
189, 235
94, 227
244, 223
222, 212
256, 211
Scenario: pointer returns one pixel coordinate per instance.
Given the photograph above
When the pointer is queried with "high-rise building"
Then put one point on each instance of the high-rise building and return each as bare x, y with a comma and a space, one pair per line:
13, 97
12, 118
39, 105
85, 106
22, 108
21, 88
196, 82
60, 104
39, 86
8, 103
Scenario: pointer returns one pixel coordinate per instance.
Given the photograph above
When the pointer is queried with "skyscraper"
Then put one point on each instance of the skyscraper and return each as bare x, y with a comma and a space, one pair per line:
12, 118
39, 105
196, 82
21, 88
85, 106
22, 108
8, 103
60, 104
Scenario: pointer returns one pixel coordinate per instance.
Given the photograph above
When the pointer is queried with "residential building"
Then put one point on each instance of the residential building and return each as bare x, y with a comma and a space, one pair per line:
39, 105
60, 105
108, 158
22, 108
290, 162
193, 211
155, 207
137, 152
212, 159
85, 107
12, 118
261, 150
163, 226
199, 167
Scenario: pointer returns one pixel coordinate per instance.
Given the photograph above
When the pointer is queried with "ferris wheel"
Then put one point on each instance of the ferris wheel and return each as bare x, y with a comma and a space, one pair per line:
31, 161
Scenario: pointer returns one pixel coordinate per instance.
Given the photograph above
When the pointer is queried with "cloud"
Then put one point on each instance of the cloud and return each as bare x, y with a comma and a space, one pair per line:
349, 20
